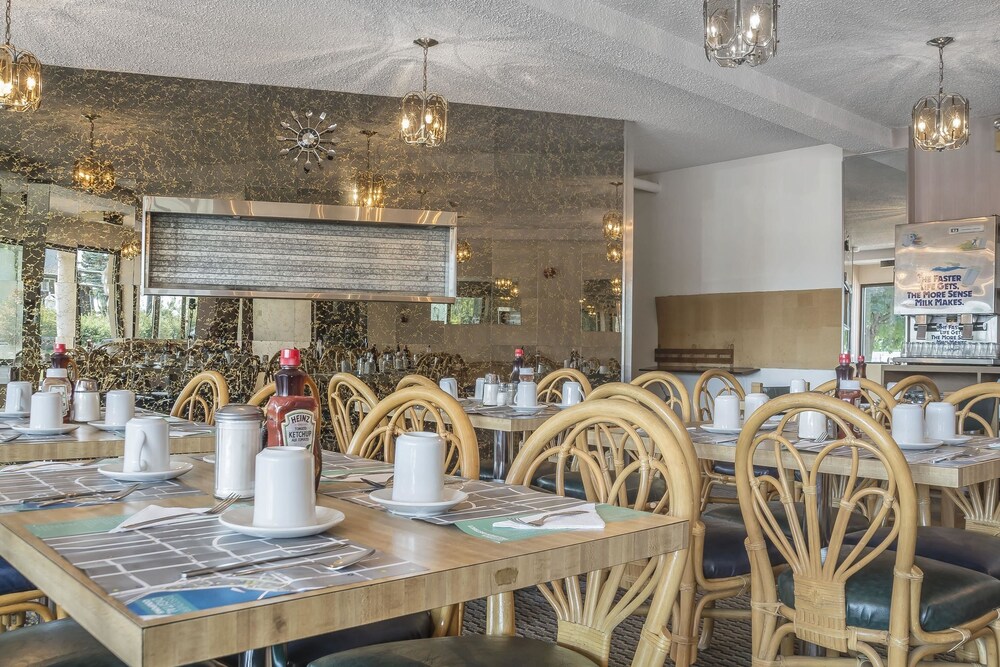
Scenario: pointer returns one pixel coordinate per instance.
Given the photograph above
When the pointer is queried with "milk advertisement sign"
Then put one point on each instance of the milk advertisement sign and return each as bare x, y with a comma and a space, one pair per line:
947, 267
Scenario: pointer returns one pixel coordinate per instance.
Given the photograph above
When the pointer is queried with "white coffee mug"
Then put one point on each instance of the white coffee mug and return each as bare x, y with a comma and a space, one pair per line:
480, 383
908, 423
46, 409
18, 396
147, 445
940, 420
727, 411
527, 395
572, 392
449, 386
752, 403
86, 406
602, 370
418, 474
812, 425
119, 407
284, 488
491, 390
797, 387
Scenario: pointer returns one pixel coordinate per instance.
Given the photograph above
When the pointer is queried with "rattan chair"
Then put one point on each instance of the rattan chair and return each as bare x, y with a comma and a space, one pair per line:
550, 387
205, 393
976, 410
875, 398
929, 388
419, 408
849, 600
589, 607
670, 388
415, 380
707, 388
268, 390
349, 400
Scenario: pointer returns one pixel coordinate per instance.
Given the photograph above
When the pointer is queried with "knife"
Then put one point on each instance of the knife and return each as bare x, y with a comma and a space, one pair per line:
69, 496
338, 563
201, 571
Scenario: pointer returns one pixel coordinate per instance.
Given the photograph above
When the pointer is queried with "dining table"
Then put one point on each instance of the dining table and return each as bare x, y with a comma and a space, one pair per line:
146, 615
509, 425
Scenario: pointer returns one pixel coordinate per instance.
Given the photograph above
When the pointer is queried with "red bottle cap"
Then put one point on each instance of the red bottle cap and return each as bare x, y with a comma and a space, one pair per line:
519, 352
59, 348
290, 357
845, 358
861, 358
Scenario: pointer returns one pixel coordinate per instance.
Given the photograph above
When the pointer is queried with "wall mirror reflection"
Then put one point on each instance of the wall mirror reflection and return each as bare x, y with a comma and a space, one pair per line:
601, 305
507, 298
472, 303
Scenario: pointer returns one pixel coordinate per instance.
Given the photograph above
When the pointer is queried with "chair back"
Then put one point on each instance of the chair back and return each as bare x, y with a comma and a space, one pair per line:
349, 399
416, 380
710, 384
820, 563
205, 393
878, 399
550, 387
670, 388
419, 408
923, 383
590, 607
976, 407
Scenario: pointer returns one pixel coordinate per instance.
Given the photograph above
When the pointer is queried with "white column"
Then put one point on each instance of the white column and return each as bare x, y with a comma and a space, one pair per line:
66, 298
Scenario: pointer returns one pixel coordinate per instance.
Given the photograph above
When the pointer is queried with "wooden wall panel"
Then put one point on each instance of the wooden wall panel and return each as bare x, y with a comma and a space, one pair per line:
789, 329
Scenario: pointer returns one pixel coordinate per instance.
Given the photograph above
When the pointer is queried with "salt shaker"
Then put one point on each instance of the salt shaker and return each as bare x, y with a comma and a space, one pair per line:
491, 389
238, 440
505, 395
86, 401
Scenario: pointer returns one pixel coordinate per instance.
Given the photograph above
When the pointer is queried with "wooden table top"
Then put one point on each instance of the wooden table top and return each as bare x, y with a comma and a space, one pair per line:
458, 567
90, 442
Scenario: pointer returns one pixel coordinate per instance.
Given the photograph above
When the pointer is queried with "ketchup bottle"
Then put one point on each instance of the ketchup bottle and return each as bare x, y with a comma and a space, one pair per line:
59, 357
292, 417
843, 370
862, 367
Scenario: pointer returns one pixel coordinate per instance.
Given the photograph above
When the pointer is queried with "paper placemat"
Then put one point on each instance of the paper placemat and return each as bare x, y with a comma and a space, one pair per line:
486, 528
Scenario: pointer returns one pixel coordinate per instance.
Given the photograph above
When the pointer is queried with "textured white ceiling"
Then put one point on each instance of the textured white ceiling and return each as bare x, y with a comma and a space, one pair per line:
847, 71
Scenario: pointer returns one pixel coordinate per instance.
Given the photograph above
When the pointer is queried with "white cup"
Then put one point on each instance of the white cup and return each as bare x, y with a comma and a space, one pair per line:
752, 403
119, 407
284, 488
480, 382
603, 370
572, 392
418, 474
812, 425
797, 387
147, 445
491, 391
46, 409
908, 423
526, 396
18, 396
449, 386
940, 421
727, 411
86, 406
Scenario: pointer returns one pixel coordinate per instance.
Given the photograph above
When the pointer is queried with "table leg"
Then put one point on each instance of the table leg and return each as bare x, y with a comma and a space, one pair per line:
273, 656
503, 454
923, 505
500, 615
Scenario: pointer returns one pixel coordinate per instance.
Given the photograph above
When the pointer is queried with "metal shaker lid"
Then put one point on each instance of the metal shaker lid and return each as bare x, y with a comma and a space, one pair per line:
86, 385
238, 412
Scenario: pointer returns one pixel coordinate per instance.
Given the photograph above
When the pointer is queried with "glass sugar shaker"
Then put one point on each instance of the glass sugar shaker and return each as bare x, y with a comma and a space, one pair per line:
239, 437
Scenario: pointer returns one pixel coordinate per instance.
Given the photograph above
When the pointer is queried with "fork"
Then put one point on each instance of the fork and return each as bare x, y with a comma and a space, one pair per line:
103, 496
545, 518
218, 508
378, 485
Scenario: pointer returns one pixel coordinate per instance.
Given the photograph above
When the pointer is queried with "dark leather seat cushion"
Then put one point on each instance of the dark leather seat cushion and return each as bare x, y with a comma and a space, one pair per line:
733, 514
57, 644
486, 470
965, 548
725, 550
949, 596
573, 485
729, 468
12, 581
469, 650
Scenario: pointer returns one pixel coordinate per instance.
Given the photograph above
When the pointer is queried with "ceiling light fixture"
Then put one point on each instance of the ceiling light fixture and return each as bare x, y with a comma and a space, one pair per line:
941, 121
424, 116
89, 173
369, 185
613, 225
131, 248
738, 32
20, 76
614, 252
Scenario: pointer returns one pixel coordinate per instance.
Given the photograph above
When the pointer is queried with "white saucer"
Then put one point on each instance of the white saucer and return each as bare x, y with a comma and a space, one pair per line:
956, 439
104, 426
527, 410
240, 519
55, 430
712, 428
917, 446
14, 415
114, 471
563, 406
452, 497
209, 458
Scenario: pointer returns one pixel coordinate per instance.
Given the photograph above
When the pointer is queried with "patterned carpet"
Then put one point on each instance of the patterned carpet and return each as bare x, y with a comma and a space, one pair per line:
535, 618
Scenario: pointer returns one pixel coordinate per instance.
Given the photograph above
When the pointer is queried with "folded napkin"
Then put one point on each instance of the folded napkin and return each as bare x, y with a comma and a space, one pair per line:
590, 520
154, 512
183, 433
377, 477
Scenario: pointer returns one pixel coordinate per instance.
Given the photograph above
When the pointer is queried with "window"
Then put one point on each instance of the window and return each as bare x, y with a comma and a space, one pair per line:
11, 301
167, 317
94, 304
77, 305
882, 333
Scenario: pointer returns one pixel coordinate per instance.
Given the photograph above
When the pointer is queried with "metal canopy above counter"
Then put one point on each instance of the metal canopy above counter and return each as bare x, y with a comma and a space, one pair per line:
215, 247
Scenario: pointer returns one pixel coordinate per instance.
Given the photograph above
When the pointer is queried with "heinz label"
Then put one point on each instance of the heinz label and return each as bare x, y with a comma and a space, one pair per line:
298, 429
